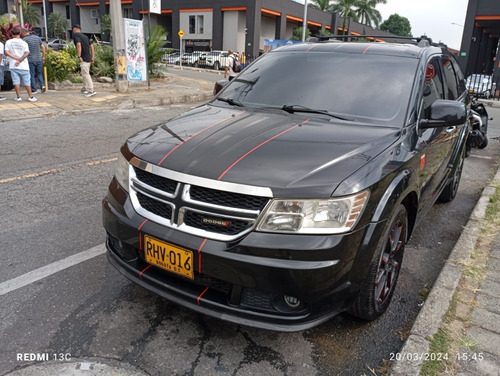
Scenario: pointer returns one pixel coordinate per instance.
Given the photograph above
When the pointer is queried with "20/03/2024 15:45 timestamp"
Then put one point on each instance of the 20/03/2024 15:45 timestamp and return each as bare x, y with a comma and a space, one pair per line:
436, 356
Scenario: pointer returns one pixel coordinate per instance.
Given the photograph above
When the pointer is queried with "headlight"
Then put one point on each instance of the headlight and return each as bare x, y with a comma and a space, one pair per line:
331, 216
121, 173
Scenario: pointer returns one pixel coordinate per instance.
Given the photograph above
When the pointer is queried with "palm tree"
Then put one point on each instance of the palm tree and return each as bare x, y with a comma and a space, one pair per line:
367, 14
30, 14
323, 5
57, 24
346, 9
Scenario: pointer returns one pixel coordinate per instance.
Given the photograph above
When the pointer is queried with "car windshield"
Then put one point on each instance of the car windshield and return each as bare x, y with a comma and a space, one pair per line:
369, 88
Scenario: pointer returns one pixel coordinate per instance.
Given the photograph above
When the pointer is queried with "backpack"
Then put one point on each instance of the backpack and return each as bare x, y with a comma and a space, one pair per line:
236, 65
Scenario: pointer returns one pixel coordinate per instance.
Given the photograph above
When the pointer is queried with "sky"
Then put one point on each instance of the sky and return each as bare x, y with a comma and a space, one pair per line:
437, 19
441, 20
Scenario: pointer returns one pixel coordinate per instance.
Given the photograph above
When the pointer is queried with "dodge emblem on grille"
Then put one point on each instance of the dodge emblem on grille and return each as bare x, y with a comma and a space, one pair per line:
217, 222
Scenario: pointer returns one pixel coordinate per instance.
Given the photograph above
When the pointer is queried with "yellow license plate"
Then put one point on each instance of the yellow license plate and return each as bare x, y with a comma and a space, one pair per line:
169, 257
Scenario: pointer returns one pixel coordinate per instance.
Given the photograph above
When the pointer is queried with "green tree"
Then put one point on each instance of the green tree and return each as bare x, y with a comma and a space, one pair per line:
346, 8
297, 33
324, 5
57, 24
367, 14
397, 25
155, 46
30, 14
106, 24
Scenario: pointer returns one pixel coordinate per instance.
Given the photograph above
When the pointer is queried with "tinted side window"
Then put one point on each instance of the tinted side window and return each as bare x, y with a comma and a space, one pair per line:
433, 85
460, 76
451, 79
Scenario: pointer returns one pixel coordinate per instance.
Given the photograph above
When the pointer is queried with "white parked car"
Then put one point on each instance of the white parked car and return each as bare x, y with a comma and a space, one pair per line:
214, 59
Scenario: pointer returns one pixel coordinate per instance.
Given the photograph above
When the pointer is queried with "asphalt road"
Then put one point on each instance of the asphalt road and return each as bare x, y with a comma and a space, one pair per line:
81, 313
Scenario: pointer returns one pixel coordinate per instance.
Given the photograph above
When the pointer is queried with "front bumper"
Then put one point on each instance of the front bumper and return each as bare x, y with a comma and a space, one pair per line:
245, 281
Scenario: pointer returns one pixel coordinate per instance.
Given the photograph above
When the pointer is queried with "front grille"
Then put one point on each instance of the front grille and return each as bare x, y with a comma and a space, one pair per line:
155, 206
220, 225
156, 181
198, 210
230, 199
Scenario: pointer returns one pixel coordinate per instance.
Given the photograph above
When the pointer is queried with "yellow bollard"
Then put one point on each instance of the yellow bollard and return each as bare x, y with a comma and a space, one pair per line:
45, 78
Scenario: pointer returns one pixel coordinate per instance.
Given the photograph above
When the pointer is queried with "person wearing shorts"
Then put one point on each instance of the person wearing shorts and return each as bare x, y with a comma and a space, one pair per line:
17, 50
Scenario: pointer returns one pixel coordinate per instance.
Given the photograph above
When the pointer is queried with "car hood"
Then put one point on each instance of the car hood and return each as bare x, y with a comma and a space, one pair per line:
293, 154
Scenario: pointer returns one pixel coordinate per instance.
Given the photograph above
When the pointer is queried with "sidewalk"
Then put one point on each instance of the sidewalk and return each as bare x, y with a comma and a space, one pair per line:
168, 90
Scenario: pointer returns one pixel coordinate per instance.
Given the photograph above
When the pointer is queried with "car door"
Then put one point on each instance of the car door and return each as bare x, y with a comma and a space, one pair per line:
436, 144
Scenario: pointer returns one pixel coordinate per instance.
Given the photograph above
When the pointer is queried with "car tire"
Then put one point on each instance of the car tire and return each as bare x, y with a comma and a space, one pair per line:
216, 65
485, 142
451, 189
376, 295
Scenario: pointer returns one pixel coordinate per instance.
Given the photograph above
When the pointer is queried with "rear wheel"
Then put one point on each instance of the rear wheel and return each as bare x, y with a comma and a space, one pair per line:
451, 189
379, 287
216, 65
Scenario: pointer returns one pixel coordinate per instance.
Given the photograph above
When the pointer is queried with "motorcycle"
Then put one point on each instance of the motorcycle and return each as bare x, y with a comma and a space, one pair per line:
478, 123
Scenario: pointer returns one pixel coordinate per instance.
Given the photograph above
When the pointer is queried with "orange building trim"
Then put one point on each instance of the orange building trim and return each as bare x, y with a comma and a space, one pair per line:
487, 18
271, 12
312, 23
166, 11
196, 10
354, 33
233, 9
88, 4
293, 18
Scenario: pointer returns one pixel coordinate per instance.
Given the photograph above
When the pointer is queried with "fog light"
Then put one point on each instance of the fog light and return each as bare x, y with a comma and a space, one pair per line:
291, 301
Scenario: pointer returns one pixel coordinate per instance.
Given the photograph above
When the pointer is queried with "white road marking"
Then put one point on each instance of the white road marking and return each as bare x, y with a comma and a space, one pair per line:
48, 270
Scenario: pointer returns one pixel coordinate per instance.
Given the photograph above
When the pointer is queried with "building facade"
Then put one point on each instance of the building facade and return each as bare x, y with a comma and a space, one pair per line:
480, 52
240, 25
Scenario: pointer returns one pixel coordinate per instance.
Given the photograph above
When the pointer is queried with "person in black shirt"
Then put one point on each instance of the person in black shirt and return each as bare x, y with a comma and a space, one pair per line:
85, 53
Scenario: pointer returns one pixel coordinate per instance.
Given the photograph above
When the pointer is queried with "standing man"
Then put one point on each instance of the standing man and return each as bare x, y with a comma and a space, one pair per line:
36, 59
85, 53
17, 50
229, 65
1, 68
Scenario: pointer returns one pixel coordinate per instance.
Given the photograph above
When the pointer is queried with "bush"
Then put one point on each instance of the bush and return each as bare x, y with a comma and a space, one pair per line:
104, 61
60, 65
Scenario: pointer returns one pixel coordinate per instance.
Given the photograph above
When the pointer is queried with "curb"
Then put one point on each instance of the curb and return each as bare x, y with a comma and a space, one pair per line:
416, 347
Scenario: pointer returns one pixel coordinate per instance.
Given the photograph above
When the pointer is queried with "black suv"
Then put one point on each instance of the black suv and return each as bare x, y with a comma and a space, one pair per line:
289, 198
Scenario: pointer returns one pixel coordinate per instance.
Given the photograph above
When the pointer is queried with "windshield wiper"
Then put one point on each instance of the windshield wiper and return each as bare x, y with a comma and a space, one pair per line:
232, 102
298, 108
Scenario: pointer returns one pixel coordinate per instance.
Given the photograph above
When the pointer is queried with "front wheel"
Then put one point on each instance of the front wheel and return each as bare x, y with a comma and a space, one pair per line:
378, 290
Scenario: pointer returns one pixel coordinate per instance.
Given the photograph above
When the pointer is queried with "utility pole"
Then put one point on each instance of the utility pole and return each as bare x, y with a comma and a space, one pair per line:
304, 24
118, 32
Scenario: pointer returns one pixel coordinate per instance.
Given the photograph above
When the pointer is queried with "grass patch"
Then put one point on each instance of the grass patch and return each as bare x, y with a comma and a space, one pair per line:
439, 344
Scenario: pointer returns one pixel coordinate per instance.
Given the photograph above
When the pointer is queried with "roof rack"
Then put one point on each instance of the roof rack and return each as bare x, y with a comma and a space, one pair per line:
421, 41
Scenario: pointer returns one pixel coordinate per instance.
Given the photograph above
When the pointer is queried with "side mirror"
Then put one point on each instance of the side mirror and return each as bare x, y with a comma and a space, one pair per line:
219, 85
445, 113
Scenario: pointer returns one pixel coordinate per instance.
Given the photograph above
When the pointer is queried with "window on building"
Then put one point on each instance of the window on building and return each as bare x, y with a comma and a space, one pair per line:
127, 12
192, 24
68, 16
200, 24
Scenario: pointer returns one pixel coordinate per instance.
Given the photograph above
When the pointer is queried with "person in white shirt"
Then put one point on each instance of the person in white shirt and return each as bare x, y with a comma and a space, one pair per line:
1, 68
17, 50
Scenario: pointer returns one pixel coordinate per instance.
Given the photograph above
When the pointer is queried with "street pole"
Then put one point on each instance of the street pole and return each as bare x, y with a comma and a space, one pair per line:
117, 27
45, 22
304, 25
20, 7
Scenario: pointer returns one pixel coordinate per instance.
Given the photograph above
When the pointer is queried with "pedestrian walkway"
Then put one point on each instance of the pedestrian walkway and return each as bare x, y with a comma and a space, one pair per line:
168, 90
